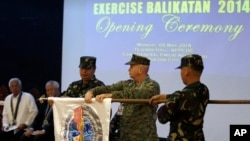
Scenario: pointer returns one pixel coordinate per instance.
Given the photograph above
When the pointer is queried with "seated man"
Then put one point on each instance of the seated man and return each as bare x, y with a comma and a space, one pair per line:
42, 129
19, 112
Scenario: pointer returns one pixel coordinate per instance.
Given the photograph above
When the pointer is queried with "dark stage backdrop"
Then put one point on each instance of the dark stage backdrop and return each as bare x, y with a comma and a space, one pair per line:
31, 42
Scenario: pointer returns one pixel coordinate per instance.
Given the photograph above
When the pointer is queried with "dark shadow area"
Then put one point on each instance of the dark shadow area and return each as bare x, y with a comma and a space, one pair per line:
31, 42
162, 139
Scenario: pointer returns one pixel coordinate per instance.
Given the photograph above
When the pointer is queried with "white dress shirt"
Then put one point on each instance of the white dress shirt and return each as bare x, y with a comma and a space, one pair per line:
27, 110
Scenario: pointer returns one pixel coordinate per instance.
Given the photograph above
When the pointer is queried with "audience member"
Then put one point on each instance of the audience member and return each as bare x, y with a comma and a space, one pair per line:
19, 111
42, 129
36, 94
3, 92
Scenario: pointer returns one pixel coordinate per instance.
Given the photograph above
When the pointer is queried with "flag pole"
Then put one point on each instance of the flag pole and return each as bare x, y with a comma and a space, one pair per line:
137, 101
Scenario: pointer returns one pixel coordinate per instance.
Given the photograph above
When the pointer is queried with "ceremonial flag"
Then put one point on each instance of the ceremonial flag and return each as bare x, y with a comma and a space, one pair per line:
75, 120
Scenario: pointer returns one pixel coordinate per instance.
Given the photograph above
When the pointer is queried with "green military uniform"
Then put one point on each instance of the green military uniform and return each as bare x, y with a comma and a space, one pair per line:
138, 121
79, 89
186, 109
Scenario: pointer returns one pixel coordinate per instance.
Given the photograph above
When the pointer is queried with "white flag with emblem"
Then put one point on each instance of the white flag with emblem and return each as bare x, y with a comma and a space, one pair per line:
75, 120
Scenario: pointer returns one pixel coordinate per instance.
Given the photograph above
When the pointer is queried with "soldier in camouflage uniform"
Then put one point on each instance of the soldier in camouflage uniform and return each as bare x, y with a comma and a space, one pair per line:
88, 80
185, 109
138, 121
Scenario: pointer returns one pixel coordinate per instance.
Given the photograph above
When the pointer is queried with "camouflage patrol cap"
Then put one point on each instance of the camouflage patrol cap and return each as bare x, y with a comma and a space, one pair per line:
136, 59
87, 62
193, 60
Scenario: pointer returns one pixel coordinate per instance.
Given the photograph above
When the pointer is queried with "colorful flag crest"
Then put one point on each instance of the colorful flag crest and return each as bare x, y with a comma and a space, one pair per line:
75, 120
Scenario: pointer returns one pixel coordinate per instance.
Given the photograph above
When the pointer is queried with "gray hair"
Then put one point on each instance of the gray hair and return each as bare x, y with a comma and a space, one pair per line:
145, 68
54, 83
15, 79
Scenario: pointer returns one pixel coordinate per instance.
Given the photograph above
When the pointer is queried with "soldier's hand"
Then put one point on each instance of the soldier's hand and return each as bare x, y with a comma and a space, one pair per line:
88, 97
154, 100
100, 97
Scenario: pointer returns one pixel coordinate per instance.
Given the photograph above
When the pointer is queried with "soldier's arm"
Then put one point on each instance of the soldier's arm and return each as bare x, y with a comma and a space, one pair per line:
142, 92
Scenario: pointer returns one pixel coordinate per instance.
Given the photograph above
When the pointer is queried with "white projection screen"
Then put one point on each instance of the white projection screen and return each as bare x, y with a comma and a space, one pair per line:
164, 31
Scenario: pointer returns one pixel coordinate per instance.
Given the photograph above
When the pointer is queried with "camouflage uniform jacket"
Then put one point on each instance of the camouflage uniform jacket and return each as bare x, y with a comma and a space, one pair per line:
185, 110
138, 122
79, 89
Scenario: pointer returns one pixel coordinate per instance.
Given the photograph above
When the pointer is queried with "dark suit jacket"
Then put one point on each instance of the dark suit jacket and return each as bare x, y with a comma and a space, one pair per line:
42, 114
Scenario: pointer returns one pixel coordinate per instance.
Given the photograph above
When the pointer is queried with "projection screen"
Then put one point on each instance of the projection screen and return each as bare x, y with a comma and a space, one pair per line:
164, 31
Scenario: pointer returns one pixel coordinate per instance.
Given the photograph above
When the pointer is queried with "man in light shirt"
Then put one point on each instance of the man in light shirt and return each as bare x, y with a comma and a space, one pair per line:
18, 113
